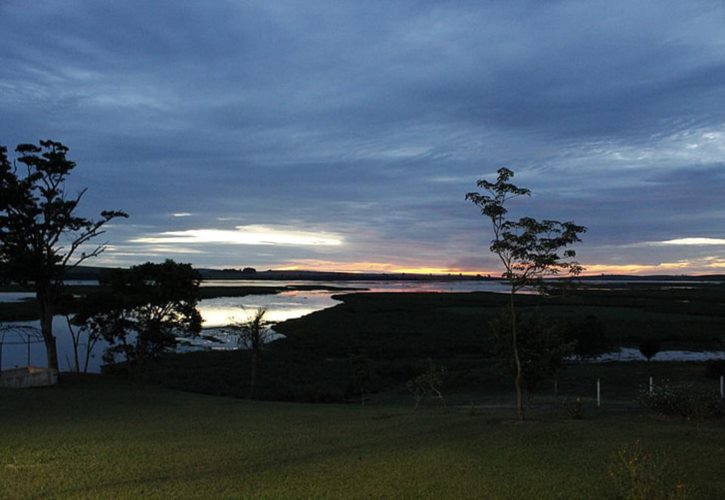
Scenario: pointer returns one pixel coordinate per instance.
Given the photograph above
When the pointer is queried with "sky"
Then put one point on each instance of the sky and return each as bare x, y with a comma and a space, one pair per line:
344, 135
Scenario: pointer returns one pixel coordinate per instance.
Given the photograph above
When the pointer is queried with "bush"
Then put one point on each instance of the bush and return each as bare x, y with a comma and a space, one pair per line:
641, 475
428, 385
541, 344
589, 335
683, 400
715, 368
574, 409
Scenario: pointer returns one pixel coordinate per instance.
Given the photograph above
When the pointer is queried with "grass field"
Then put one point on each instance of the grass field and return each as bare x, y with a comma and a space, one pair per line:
103, 438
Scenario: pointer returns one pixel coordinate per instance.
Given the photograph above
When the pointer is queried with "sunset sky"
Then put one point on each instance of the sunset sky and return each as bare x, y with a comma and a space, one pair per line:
344, 135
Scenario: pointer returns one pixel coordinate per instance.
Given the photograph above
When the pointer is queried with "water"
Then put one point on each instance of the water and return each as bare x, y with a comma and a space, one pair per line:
280, 307
16, 296
14, 356
633, 354
375, 285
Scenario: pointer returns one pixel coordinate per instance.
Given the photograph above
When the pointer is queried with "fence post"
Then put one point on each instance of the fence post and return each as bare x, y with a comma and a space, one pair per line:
722, 387
599, 393
650, 386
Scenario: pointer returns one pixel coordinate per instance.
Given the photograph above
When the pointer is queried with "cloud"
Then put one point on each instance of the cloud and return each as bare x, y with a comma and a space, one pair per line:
693, 241
244, 235
704, 265
372, 120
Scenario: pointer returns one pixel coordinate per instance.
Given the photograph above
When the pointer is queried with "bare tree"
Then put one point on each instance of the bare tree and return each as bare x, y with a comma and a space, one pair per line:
81, 359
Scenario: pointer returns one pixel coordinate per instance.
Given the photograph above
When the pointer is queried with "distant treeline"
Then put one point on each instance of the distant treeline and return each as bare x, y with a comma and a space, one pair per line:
94, 273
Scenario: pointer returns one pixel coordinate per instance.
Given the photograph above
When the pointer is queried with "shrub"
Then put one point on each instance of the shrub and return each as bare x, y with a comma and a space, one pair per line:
683, 400
428, 385
541, 345
641, 475
589, 335
574, 409
715, 368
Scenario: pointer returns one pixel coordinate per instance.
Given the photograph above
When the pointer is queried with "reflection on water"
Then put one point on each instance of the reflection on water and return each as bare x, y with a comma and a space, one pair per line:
280, 307
14, 356
376, 286
633, 354
16, 296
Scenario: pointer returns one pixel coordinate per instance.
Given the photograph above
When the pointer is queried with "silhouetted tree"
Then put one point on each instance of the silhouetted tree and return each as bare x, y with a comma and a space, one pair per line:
589, 335
252, 334
649, 348
40, 234
528, 249
79, 333
143, 310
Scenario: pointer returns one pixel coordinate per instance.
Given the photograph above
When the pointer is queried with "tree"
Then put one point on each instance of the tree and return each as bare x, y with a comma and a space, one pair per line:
530, 250
542, 346
81, 359
40, 234
649, 348
252, 334
143, 310
589, 336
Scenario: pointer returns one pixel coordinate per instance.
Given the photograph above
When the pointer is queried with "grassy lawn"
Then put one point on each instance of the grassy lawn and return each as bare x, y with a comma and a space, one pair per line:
103, 438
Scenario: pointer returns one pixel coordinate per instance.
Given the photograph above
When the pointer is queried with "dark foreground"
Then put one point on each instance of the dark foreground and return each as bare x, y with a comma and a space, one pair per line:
103, 438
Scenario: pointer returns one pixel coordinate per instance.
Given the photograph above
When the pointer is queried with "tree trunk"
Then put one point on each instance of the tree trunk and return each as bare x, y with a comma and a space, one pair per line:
253, 374
517, 360
75, 338
45, 305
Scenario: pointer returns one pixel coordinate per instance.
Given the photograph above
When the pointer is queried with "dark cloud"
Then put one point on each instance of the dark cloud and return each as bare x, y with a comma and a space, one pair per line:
371, 120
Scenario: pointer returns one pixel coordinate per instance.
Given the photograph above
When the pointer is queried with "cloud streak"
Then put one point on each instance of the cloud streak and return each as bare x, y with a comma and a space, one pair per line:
244, 235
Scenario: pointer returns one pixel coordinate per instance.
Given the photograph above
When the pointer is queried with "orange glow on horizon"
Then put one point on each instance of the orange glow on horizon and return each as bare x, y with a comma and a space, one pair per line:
371, 267
703, 266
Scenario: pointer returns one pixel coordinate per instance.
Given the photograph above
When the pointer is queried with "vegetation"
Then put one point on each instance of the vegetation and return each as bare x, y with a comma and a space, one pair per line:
428, 386
588, 336
251, 335
649, 348
143, 310
683, 399
639, 474
101, 438
541, 343
528, 249
40, 232
715, 368
374, 344
109, 438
